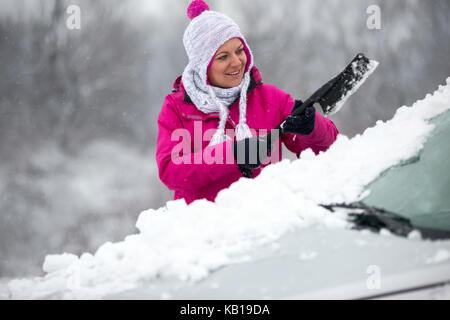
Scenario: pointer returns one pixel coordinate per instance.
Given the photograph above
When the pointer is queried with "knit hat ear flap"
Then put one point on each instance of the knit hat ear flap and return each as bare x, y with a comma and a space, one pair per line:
242, 129
220, 135
196, 8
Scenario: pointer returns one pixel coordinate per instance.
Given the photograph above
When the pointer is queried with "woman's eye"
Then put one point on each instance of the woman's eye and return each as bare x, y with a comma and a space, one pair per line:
239, 52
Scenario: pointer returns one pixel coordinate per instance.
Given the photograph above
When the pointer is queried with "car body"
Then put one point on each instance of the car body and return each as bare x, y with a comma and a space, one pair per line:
368, 219
350, 263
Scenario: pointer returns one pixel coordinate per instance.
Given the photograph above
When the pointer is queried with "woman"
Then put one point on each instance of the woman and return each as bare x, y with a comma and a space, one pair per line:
213, 128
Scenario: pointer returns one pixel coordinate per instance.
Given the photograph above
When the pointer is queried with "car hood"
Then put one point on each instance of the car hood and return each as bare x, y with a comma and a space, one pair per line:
268, 237
317, 263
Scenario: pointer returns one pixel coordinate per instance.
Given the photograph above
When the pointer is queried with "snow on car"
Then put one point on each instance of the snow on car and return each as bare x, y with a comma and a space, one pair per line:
301, 230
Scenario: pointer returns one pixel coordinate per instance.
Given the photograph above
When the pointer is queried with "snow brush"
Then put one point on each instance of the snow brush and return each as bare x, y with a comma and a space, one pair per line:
332, 96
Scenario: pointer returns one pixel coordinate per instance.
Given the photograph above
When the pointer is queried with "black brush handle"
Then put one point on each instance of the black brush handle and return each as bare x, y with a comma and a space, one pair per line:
326, 89
311, 100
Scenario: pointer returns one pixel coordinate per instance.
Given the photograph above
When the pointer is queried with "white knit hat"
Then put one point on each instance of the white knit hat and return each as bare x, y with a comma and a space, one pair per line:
205, 34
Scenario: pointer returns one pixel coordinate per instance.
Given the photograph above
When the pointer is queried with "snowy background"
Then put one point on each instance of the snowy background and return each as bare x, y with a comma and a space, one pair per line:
78, 108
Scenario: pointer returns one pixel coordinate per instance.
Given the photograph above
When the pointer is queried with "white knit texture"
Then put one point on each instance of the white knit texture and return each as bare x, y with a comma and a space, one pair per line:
203, 37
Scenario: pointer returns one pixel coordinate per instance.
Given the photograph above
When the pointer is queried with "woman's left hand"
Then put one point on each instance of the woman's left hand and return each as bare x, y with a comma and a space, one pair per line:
302, 124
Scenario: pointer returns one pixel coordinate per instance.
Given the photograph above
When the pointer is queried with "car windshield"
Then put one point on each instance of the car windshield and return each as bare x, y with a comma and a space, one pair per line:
419, 188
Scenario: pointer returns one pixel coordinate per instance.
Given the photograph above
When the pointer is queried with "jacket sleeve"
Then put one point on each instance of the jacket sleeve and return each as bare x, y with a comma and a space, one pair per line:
183, 169
322, 137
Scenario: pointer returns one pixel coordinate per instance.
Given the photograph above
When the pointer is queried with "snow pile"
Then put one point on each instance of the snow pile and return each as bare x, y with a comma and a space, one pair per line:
181, 242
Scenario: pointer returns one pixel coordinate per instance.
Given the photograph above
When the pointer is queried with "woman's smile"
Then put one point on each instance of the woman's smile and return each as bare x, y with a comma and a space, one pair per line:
233, 73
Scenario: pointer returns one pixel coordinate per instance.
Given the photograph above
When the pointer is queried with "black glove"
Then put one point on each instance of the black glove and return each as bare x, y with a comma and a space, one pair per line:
251, 152
302, 124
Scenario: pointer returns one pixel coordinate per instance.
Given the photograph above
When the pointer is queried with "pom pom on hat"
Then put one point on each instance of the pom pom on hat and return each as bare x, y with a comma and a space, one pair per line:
196, 8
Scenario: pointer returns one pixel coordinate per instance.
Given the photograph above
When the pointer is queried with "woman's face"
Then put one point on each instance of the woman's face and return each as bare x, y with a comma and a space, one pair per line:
228, 66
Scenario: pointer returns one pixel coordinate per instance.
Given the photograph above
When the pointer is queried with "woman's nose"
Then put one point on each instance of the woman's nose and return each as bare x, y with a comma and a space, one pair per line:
236, 61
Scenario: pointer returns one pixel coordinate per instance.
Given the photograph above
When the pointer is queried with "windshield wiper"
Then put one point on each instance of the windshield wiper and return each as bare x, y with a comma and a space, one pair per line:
376, 219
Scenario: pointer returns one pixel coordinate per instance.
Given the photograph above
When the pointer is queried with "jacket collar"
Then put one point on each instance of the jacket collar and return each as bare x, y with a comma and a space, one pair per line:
255, 80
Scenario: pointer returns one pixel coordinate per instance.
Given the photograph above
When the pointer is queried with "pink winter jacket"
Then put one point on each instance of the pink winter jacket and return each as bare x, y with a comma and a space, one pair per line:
180, 123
